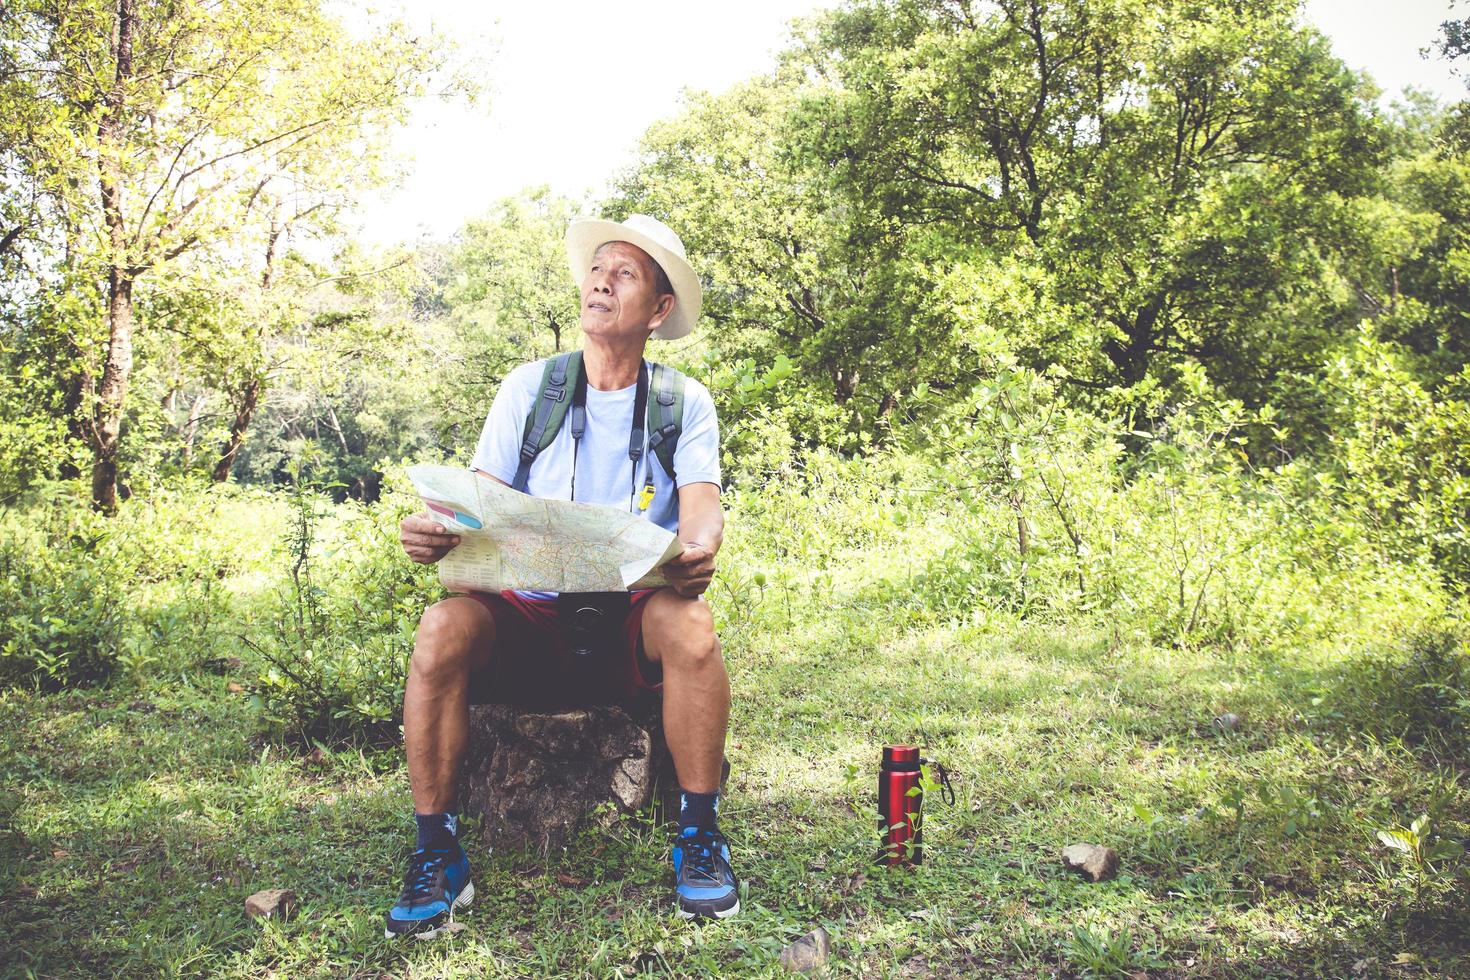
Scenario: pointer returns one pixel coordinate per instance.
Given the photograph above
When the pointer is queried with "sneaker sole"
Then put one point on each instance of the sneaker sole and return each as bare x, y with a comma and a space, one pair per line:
462, 901
722, 914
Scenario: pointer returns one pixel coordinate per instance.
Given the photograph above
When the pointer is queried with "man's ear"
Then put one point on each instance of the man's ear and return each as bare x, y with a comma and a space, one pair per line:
662, 311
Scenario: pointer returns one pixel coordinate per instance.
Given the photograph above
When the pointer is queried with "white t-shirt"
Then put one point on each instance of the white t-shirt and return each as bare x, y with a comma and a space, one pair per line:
604, 471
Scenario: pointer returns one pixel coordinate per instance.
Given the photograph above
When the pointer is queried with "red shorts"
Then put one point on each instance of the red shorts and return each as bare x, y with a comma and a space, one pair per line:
534, 665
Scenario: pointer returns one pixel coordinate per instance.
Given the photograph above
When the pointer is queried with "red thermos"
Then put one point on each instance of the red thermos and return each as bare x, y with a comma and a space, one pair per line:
900, 804
899, 823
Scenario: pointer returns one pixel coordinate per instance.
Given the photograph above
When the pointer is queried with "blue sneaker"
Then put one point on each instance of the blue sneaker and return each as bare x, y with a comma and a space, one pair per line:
702, 877
436, 884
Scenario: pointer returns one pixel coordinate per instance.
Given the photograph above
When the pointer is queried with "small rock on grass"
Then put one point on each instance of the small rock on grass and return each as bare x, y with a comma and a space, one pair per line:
1092, 861
1228, 722
808, 953
273, 903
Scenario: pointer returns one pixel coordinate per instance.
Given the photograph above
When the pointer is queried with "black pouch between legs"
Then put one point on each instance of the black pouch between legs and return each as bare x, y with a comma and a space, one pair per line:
593, 621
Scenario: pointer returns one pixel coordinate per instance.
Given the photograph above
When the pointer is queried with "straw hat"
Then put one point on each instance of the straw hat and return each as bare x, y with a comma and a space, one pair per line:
586, 236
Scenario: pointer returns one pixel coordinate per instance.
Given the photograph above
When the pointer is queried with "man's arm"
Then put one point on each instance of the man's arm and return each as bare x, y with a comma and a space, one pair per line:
701, 531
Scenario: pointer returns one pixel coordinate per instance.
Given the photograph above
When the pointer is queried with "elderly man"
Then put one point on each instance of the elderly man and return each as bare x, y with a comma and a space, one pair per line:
578, 428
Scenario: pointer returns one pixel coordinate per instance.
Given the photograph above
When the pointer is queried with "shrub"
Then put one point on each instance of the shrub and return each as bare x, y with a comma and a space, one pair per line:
85, 595
1402, 460
1007, 503
336, 644
61, 593
1419, 691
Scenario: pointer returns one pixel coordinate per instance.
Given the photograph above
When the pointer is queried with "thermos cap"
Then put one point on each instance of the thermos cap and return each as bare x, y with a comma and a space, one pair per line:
901, 754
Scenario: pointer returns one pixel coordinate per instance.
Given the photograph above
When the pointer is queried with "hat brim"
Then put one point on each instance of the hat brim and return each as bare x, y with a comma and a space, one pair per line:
586, 236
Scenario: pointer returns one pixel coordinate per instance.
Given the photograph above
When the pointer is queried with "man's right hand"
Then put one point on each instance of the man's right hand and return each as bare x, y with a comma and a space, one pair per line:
424, 539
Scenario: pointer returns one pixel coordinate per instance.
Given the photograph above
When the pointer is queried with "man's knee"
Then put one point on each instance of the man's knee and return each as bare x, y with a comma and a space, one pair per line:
453, 634
683, 630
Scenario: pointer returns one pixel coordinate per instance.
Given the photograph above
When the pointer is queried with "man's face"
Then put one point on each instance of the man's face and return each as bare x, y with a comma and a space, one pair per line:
619, 294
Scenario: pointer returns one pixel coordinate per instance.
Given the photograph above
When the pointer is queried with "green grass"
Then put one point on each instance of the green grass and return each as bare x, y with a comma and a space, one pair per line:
137, 821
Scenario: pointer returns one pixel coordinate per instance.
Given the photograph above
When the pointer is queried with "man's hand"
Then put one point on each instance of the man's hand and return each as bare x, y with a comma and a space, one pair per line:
690, 574
424, 539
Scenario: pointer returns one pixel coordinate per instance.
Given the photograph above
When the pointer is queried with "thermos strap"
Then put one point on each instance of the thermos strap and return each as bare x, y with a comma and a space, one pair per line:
946, 791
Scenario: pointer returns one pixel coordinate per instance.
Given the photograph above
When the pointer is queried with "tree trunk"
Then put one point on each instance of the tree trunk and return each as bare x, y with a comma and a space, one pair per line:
1017, 499
533, 778
268, 277
112, 393
107, 421
244, 411
337, 428
191, 428
1131, 358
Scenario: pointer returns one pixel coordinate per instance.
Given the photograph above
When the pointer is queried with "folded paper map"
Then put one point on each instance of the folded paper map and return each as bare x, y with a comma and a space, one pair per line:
510, 540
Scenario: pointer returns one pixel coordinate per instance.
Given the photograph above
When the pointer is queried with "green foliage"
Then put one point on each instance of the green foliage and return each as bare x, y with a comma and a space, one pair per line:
1402, 461
495, 296
770, 416
85, 595
336, 642
1426, 858
1105, 953
1416, 691
182, 136
1114, 159
62, 599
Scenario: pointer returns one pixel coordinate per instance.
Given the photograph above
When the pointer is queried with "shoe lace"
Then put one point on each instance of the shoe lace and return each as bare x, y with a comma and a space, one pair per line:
701, 849
423, 868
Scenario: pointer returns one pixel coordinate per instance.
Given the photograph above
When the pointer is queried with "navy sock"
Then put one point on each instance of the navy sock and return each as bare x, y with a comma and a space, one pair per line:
698, 810
437, 831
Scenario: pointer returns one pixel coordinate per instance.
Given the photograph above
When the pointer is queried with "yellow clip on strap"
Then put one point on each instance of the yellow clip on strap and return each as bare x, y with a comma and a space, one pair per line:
646, 497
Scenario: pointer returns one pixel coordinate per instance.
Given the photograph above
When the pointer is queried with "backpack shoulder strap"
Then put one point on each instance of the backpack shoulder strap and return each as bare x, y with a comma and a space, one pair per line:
665, 415
544, 420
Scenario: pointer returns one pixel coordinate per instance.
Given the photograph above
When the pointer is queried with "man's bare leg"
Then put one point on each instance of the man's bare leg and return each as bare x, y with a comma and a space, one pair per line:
455, 636
679, 634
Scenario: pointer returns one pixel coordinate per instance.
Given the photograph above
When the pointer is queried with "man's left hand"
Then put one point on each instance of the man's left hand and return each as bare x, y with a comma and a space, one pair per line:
690, 573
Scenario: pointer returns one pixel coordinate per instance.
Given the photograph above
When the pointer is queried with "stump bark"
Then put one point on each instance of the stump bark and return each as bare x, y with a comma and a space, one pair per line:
533, 778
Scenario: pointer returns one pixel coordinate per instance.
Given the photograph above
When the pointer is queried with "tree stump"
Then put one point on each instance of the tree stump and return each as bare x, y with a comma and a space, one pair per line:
533, 778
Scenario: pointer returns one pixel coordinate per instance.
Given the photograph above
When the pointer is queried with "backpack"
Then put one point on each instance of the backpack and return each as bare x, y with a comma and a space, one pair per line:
664, 420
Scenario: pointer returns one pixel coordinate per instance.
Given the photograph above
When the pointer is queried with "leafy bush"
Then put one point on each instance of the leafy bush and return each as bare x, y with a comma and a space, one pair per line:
143, 591
337, 641
62, 598
1402, 466
1419, 691
1006, 503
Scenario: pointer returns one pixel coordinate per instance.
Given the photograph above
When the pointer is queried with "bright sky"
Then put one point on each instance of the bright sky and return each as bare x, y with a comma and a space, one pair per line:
574, 84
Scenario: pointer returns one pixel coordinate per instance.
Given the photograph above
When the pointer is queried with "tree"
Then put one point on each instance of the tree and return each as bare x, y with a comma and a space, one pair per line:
510, 267
168, 127
499, 292
786, 272
1146, 179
